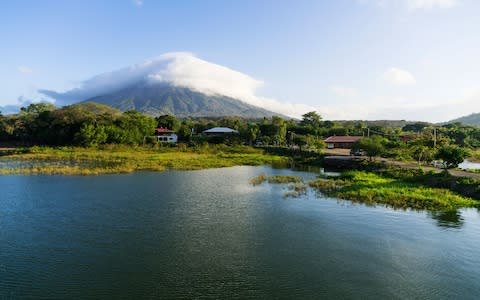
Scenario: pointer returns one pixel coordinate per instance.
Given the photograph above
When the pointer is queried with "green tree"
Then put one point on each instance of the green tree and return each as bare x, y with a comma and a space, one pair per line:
253, 131
184, 132
451, 155
314, 143
275, 129
423, 154
415, 127
90, 135
168, 121
311, 119
136, 126
372, 146
36, 108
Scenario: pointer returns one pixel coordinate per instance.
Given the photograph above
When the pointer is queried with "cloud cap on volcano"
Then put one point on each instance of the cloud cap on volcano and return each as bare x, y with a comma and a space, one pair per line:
180, 69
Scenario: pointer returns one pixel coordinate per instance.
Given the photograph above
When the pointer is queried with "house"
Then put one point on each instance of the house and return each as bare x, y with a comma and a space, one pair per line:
219, 131
165, 135
341, 141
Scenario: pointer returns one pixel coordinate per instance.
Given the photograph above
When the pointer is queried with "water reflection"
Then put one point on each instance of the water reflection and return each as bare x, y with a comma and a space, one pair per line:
43, 163
448, 219
209, 235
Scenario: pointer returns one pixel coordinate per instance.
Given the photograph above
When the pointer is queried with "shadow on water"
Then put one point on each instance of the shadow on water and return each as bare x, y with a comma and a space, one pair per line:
447, 219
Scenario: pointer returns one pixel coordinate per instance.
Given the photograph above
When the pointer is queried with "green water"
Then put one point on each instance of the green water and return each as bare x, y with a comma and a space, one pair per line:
210, 235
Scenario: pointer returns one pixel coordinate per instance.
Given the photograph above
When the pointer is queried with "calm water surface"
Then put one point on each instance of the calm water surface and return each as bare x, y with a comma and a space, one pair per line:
209, 234
466, 164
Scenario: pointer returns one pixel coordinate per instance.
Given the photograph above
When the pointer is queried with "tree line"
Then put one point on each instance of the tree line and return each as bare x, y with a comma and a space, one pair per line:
90, 124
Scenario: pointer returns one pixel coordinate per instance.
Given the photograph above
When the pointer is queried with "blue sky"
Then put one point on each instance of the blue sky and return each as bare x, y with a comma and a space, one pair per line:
347, 59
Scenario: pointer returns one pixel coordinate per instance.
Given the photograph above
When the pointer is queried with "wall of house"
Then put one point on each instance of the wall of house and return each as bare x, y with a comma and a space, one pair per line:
339, 145
172, 138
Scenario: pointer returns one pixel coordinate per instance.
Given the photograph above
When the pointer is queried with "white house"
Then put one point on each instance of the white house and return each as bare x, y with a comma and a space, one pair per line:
165, 135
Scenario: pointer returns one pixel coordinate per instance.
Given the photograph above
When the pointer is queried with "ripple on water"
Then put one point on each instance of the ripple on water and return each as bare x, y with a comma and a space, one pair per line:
209, 234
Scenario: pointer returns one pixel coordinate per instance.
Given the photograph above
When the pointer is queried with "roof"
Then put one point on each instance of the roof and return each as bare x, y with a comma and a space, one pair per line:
163, 130
220, 130
342, 139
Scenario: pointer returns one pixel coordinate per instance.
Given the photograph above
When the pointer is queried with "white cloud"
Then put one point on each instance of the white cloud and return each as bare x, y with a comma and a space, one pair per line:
25, 70
138, 2
184, 70
429, 4
342, 91
406, 108
398, 77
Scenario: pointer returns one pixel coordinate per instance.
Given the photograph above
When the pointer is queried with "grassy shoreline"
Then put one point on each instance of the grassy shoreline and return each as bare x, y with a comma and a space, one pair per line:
125, 159
393, 187
372, 188
390, 188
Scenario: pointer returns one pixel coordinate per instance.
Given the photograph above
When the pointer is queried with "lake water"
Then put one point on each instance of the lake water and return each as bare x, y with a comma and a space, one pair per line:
466, 164
210, 235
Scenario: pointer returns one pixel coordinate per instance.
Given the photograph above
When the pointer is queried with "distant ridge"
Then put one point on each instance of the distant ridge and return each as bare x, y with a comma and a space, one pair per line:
472, 119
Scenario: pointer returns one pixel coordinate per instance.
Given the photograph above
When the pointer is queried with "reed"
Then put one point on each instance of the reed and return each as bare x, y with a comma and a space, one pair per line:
373, 189
123, 159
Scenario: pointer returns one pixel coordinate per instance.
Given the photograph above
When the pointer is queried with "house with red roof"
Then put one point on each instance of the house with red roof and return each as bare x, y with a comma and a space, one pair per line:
341, 141
165, 135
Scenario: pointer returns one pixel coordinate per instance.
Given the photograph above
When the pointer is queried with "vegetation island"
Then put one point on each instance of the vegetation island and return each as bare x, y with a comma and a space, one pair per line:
397, 163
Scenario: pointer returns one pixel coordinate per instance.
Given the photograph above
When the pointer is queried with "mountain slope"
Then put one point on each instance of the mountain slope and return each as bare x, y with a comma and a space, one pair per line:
179, 83
473, 119
158, 99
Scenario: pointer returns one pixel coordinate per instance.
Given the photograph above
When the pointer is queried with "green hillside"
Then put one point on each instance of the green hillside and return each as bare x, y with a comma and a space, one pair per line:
160, 99
473, 119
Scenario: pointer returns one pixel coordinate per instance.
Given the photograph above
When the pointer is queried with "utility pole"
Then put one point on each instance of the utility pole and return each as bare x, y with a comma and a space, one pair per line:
368, 132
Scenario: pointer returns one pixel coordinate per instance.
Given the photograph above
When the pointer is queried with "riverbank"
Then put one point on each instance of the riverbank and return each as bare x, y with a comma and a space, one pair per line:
125, 159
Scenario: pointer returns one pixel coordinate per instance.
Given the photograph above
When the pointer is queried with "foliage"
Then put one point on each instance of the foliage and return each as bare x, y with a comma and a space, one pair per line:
372, 188
451, 155
312, 119
415, 127
372, 146
423, 154
123, 158
168, 121
259, 179
91, 124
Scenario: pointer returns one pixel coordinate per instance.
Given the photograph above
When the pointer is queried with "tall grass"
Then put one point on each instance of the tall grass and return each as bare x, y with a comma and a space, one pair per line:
371, 188
122, 159
259, 179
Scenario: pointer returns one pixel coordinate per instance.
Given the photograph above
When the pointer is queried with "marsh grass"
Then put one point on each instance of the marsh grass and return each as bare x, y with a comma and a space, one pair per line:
277, 179
372, 189
259, 179
124, 159
296, 186
296, 190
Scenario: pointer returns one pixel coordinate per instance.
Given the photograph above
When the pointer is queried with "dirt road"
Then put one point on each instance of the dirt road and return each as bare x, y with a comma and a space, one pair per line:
402, 164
